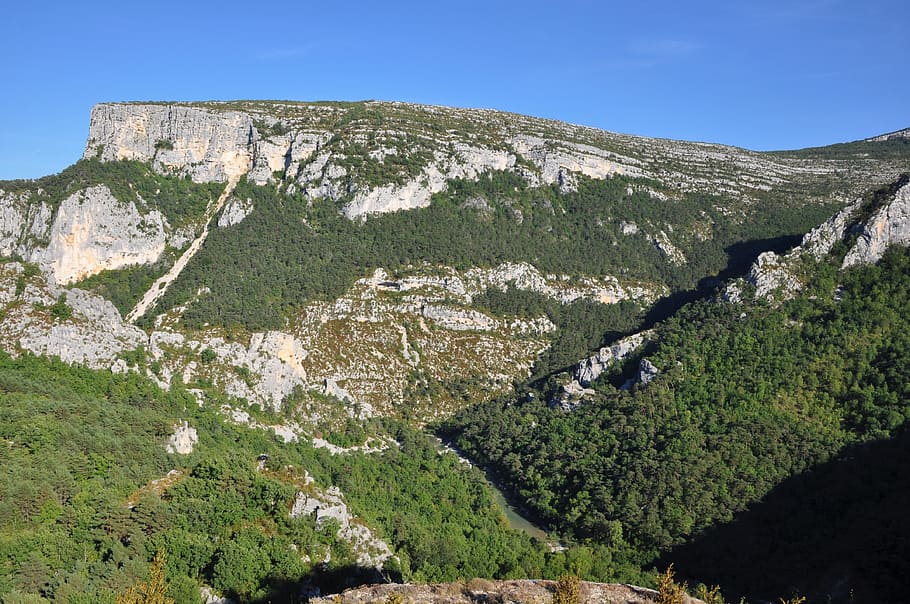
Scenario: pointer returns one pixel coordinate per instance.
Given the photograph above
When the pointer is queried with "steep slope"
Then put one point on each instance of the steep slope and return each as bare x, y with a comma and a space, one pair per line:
379, 157
93, 486
275, 283
305, 269
600, 224
698, 421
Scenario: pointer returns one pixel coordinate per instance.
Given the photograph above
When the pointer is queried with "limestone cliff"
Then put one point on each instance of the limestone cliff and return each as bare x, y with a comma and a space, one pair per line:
777, 276
382, 157
889, 225
77, 326
206, 145
93, 231
90, 231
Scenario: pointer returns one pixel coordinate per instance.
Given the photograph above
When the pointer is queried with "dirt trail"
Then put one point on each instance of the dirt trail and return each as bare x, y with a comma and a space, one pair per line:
160, 286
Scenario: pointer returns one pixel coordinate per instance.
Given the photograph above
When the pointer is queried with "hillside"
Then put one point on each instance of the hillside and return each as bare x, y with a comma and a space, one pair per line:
673, 435
275, 235
231, 329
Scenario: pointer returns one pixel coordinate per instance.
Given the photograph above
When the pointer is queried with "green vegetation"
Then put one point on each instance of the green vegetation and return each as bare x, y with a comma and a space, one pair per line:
747, 396
60, 309
581, 326
895, 148
88, 495
180, 200
289, 251
124, 287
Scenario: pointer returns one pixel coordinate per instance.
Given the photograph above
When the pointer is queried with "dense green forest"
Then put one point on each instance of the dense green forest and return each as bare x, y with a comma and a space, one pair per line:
748, 395
80, 517
290, 250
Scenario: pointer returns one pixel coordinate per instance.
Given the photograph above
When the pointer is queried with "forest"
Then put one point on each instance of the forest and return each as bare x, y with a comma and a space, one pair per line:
747, 397
81, 516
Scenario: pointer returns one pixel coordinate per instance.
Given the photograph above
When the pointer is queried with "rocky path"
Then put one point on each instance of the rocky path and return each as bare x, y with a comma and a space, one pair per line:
160, 286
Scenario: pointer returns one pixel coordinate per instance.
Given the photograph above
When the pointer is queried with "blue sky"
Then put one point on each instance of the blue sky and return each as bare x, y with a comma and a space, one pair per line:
761, 75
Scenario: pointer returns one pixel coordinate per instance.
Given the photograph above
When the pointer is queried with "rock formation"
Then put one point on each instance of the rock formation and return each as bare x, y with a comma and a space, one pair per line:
328, 505
889, 225
482, 590
778, 277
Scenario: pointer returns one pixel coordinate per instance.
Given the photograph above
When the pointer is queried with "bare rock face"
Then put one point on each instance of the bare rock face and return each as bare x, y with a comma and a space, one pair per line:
665, 246
771, 274
182, 440
328, 505
235, 210
890, 225
574, 392
90, 232
327, 151
483, 590
905, 133
647, 371
93, 334
466, 162
209, 145
93, 232
778, 276
591, 368
23, 224
557, 159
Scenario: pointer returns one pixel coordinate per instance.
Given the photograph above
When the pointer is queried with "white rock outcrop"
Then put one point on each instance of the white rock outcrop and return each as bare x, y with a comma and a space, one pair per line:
556, 158
235, 210
774, 276
328, 505
93, 231
24, 224
573, 393
889, 225
208, 144
310, 147
778, 276
647, 371
591, 368
93, 335
466, 162
183, 440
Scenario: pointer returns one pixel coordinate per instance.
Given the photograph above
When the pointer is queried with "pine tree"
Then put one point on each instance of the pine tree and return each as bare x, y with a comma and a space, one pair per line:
152, 592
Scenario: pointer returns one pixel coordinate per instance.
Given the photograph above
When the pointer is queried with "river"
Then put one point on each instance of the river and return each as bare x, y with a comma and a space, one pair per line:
513, 517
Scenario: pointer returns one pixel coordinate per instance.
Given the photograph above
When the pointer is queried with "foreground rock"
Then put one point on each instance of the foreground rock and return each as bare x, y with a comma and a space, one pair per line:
482, 590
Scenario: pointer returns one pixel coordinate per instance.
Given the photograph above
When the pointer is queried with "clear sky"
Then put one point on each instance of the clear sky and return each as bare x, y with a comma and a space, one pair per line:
761, 75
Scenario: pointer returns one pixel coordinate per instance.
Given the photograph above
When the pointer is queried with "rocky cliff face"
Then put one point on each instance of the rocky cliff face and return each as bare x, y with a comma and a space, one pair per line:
368, 157
77, 326
89, 232
384, 157
93, 231
208, 146
24, 224
777, 276
387, 340
385, 344
889, 225
327, 505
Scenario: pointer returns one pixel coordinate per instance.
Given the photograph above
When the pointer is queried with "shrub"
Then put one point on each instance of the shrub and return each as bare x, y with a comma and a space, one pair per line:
567, 590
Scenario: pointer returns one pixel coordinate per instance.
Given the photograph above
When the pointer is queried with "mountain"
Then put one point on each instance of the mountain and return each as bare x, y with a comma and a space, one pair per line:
273, 299
274, 234
723, 427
